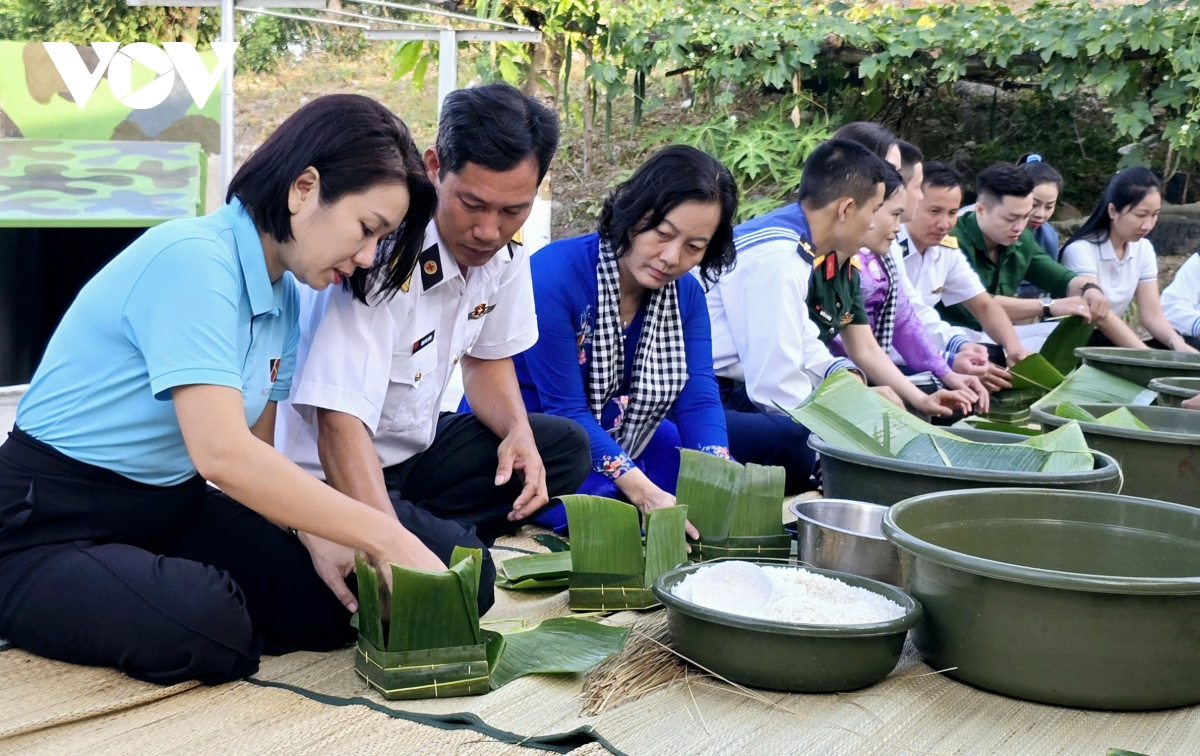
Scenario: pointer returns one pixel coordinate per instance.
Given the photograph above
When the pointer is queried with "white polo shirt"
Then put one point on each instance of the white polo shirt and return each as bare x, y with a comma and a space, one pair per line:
1118, 278
388, 363
761, 331
940, 274
1181, 300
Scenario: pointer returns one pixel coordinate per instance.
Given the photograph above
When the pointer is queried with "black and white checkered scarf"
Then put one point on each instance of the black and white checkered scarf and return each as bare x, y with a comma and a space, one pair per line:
659, 366
885, 324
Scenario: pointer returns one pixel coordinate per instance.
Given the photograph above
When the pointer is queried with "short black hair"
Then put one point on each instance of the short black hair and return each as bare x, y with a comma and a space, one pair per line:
1040, 171
672, 176
910, 156
941, 176
841, 168
893, 181
1001, 180
497, 127
354, 143
875, 137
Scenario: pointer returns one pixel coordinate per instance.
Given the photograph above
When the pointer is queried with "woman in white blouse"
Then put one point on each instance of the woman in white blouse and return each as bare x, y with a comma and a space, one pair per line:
1112, 246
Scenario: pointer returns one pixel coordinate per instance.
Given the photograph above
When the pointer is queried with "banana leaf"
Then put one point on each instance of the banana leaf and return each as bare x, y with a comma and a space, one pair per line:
910, 438
1059, 349
552, 543
549, 566
1068, 447
428, 607
1073, 411
738, 510
1122, 752
559, 645
844, 412
978, 423
1088, 385
1035, 373
610, 568
434, 645
1122, 418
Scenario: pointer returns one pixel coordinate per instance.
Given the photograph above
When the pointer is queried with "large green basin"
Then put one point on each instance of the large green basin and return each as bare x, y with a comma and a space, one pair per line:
1163, 463
783, 656
1065, 597
1173, 392
849, 474
1141, 366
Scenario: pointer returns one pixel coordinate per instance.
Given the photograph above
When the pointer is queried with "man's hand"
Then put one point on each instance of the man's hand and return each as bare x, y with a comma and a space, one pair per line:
1075, 306
970, 385
1097, 303
888, 393
943, 403
970, 363
997, 378
518, 453
1015, 355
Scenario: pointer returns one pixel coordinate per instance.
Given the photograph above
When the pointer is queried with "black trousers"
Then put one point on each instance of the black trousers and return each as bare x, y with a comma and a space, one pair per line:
164, 583
455, 478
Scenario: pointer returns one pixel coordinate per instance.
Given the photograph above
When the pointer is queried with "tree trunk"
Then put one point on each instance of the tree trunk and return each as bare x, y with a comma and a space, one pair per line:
589, 111
545, 69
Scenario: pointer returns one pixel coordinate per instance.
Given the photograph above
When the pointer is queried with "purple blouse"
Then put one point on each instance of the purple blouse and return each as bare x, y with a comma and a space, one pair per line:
909, 338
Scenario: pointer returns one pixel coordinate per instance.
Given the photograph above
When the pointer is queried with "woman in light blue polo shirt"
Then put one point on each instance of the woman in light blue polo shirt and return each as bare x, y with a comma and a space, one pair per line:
164, 374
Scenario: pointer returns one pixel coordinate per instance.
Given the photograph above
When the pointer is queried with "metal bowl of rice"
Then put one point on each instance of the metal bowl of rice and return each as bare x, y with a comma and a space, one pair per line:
821, 631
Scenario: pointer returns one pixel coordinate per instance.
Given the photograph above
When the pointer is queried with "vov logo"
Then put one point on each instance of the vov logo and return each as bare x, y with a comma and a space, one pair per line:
166, 61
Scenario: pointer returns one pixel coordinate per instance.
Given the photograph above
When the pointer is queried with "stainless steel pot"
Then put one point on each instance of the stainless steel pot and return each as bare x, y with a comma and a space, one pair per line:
845, 535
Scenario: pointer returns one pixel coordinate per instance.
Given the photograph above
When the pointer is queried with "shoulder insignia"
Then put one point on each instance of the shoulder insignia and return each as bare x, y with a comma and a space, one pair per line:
816, 261
805, 250
431, 271
854, 263
950, 241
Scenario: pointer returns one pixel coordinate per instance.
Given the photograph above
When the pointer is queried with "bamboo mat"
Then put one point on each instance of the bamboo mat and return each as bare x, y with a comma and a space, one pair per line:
314, 703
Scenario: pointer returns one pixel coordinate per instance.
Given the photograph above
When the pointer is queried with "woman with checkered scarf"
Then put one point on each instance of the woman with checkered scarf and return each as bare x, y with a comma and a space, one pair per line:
624, 332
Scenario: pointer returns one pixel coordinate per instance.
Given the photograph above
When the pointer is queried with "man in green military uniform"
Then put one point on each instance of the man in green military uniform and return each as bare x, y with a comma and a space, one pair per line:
835, 295
996, 243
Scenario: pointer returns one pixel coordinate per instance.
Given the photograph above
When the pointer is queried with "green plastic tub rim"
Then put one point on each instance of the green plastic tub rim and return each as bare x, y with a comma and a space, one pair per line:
913, 613
1109, 467
1139, 357
1178, 386
990, 568
1046, 415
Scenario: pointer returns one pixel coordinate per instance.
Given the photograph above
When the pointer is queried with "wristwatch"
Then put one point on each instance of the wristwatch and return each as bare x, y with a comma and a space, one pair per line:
1047, 300
1087, 286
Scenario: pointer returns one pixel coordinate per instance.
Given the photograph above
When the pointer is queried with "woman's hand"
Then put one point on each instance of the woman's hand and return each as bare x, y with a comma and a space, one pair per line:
970, 385
943, 403
1178, 344
333, 563
887, 392
647, 497
1193, 403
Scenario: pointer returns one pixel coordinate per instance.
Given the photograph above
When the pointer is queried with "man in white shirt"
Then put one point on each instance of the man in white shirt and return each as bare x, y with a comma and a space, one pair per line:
369, 377
939, 273
1181, 301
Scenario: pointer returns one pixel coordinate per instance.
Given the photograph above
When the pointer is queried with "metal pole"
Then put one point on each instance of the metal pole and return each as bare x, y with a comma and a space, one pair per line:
447, 65
227, 25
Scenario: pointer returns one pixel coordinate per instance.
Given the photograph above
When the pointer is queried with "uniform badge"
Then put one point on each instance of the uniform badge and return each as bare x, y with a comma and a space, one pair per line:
847, 318
423, 342
824, 315
430, 268
275, 369
950, 241
480, 310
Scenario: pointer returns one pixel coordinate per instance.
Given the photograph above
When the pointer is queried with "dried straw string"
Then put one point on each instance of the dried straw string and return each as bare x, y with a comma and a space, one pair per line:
615, 674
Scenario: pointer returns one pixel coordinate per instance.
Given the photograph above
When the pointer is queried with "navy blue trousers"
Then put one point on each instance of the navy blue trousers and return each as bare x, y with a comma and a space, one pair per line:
164, 583
755, 436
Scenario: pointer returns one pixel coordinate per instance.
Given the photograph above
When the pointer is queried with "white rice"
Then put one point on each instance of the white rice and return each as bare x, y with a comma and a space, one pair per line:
797, 596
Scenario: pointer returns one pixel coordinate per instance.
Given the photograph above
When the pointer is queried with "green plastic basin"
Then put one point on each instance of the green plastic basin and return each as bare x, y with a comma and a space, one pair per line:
1141, 366
1163, 463
1173, 392
847, 474
783, 656
1064, 597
